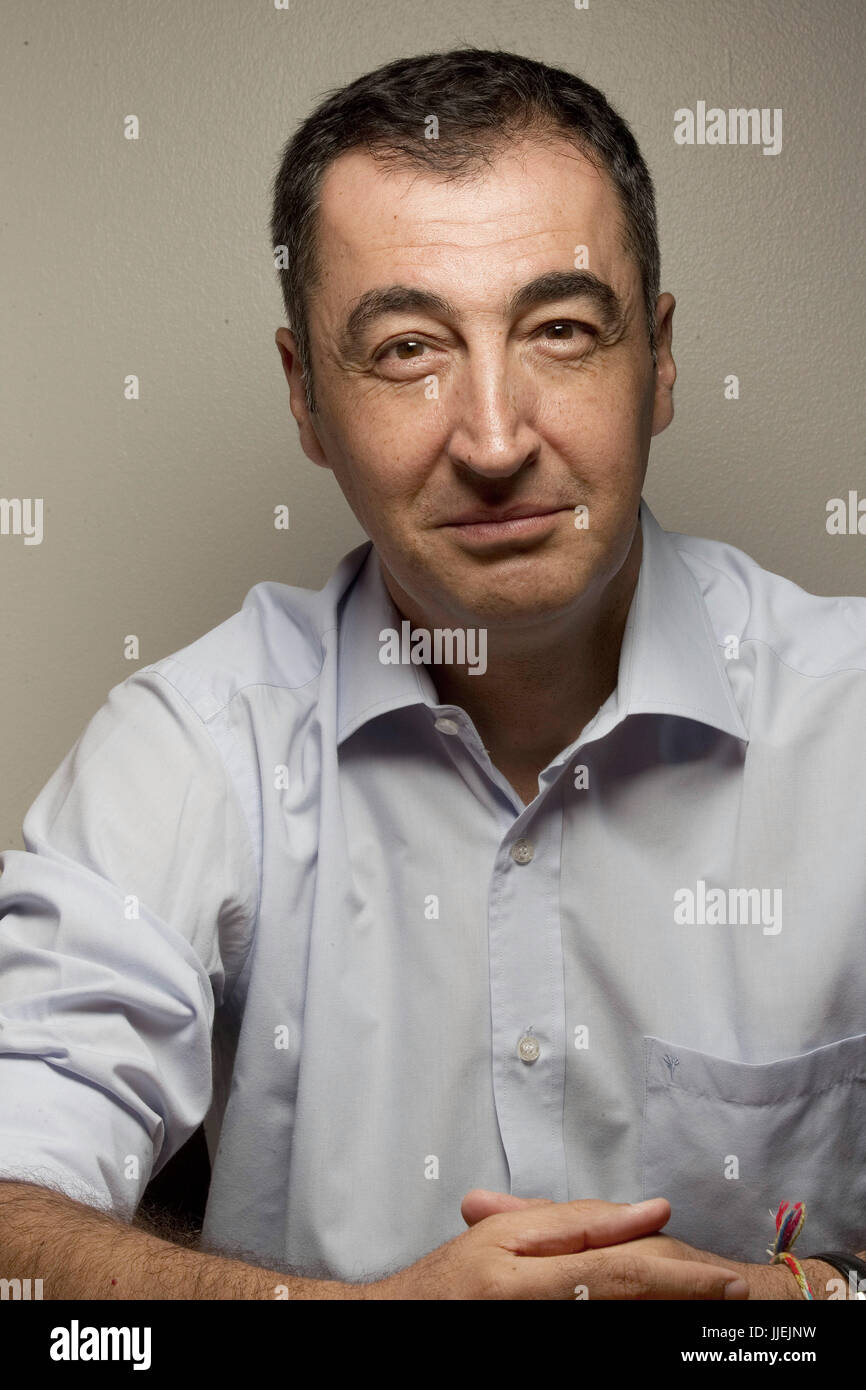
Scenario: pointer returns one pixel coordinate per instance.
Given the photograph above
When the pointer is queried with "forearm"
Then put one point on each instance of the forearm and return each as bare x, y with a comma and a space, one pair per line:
81, 1253
778, 1282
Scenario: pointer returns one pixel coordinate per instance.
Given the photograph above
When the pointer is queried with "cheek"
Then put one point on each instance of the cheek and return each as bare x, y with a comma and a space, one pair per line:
379, 481
369, 443
598, 446
390, 444
601, 413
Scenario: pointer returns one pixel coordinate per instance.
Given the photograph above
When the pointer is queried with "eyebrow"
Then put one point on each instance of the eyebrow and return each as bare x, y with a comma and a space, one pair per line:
571, 284
549, 288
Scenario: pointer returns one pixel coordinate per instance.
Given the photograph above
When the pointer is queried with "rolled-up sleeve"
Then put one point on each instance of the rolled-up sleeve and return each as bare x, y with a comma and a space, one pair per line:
123, 924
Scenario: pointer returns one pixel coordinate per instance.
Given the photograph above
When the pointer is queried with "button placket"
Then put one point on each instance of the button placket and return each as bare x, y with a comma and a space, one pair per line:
526, 983
529, 1048
523, 851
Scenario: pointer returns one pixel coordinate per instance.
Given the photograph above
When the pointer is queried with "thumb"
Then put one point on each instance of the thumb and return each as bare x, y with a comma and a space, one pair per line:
480, 1202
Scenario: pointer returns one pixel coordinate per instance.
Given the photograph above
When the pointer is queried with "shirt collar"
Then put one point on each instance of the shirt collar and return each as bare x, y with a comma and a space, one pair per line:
670, 661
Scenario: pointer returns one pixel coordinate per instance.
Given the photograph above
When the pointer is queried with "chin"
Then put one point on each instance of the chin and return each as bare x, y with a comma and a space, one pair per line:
519, 601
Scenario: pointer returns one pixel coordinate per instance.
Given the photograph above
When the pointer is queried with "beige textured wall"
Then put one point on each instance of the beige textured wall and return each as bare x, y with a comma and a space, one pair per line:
152, 257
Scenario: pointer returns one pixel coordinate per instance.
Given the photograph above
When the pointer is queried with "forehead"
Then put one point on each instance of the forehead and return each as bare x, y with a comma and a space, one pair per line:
527, 211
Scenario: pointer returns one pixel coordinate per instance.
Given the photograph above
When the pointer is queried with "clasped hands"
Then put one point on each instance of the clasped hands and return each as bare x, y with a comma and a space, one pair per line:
662, 1267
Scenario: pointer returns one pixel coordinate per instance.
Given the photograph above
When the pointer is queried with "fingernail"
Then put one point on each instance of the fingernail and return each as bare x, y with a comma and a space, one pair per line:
736, 1288
642, 1206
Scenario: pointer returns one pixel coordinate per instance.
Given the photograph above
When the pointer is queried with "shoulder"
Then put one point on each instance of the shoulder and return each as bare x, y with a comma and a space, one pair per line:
813, 634
280, 636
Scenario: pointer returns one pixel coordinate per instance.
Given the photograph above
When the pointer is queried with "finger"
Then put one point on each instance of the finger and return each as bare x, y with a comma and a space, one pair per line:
669, 1248
480, 1203
566, 1228
598, 1275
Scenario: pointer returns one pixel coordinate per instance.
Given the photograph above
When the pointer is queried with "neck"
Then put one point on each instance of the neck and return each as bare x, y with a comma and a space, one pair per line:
544, 683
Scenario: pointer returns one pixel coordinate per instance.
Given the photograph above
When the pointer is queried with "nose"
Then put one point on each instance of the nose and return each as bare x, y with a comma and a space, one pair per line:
492, 432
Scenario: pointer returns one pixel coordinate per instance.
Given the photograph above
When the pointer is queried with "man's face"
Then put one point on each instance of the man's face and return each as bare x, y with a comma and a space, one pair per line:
484, 388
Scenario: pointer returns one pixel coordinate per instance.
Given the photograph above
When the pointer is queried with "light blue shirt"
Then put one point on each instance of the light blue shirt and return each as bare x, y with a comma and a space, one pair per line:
277, 884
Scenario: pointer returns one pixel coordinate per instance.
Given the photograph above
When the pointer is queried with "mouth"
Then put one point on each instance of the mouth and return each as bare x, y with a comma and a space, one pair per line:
514, 523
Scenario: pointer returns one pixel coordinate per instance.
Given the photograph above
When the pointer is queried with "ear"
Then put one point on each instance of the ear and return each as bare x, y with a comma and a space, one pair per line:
666, 368
288, 349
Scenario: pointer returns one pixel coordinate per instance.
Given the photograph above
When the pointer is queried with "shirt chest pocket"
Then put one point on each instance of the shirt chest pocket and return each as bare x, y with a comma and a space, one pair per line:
726, 1142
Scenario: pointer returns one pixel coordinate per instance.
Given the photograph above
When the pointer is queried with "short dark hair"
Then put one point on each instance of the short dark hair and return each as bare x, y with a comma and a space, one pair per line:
482, 100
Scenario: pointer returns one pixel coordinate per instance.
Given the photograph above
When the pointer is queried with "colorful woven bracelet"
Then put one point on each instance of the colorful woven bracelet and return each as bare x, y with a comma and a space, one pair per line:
789, 1224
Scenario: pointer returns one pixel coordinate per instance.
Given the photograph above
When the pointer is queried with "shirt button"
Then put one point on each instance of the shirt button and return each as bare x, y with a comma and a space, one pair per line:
447, 726
528, 1049
522, 851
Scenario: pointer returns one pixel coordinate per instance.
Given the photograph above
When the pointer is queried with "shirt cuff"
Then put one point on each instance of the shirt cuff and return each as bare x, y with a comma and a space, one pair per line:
59, 1132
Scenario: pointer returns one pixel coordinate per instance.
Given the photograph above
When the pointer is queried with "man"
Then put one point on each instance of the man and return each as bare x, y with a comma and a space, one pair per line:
512, 877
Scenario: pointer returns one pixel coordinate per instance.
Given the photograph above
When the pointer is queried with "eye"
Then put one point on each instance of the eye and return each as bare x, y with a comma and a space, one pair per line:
405, 359
564, 330
406, 350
